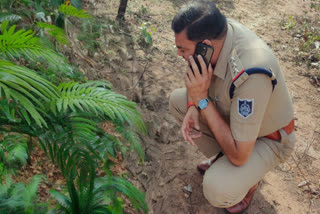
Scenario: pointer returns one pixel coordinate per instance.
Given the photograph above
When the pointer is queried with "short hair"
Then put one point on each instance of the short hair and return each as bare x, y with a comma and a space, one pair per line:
202, 20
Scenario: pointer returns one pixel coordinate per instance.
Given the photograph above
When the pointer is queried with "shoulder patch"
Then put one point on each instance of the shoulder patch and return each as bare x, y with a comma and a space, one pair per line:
245, 107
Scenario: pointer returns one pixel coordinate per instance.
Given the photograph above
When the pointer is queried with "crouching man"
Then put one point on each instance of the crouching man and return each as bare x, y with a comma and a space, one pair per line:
237, 110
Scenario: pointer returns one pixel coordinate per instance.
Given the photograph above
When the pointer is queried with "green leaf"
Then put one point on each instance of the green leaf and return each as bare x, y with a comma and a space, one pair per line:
63, 200
28, 89
31, 190
95, 98
23, 44
55, 32
122, 186
72, 11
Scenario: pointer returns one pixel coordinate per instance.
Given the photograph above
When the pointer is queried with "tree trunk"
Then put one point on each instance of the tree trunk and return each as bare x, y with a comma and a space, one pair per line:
122, 9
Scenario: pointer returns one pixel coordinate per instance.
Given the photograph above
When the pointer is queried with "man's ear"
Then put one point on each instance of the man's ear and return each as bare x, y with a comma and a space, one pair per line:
207, 42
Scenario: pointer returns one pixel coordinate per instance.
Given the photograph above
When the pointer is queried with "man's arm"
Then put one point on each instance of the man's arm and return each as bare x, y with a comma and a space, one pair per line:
236, 151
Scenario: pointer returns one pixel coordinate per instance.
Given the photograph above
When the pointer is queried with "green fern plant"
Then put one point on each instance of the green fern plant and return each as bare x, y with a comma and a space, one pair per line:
55, 32
65, 118
13, 151
77, 145
103, 197
16, 198
86, 193
68, 116
69, 10
24, 44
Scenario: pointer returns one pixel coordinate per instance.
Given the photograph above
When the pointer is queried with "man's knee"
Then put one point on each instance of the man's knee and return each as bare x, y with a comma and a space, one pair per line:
219, 192
178, 102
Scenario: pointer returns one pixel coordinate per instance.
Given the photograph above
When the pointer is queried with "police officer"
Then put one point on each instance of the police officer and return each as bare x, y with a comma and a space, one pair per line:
237, 110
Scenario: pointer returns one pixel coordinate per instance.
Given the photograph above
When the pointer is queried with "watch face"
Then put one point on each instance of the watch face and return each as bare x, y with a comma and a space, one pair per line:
203, 104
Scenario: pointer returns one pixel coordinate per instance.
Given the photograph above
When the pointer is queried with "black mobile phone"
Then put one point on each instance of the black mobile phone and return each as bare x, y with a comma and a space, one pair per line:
206, 51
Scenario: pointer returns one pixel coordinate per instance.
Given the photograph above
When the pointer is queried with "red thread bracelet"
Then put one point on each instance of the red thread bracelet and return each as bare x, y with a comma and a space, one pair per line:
190, 103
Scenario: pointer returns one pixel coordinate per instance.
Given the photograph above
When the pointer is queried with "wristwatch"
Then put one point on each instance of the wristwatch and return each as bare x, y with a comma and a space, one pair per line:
203, 103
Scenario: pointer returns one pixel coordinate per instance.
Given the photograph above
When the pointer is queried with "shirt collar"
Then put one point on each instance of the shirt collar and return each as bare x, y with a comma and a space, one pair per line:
221, 66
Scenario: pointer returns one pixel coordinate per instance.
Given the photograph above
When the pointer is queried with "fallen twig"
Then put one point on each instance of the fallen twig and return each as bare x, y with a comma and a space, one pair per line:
141, 76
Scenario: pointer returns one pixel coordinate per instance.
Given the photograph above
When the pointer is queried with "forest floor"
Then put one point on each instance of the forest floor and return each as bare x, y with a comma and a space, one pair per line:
147, 75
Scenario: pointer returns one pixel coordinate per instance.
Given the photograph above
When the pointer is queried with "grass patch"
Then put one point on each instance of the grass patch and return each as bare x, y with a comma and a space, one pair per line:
305, 31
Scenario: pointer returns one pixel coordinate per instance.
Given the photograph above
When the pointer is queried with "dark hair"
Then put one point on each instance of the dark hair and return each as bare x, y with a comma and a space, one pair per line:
202, 19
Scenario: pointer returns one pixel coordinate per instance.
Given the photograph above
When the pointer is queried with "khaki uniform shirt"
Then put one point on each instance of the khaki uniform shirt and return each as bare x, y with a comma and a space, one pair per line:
255, 110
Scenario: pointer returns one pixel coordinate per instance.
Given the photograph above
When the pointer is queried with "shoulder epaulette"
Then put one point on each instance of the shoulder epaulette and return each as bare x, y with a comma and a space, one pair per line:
243, 75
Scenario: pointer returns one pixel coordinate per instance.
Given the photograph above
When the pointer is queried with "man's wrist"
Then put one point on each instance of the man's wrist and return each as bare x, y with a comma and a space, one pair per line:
190, 104
197, 100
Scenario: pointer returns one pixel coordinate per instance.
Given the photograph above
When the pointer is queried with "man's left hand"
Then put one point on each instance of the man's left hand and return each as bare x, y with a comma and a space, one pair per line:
196, 83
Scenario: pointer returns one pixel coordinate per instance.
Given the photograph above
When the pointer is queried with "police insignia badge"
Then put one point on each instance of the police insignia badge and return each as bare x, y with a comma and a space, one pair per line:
245, 107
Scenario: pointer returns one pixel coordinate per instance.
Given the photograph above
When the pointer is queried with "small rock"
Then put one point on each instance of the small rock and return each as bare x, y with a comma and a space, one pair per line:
318, 89
303, 183
315, 64
298, 36
186, 195
161, 184
111, 28
96, 56
188, 188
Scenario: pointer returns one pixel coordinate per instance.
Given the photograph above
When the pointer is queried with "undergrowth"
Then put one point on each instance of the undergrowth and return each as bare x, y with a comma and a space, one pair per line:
306, 33
46, 102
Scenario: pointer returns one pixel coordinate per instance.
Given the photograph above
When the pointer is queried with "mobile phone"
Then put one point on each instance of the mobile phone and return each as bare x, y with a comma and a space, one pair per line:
206, 51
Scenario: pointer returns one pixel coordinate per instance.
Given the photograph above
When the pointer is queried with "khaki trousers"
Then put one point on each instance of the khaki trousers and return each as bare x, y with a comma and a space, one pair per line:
224, 184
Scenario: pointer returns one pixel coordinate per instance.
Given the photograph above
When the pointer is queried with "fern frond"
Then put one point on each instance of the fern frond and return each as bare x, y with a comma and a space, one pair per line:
72, 11
133, 140
108, 142
94, 97
55, 32
62, 199
7, 111
15, 147
31, 190
27, 88
10, 17
23, 44
18, 197
122, 186
17, 154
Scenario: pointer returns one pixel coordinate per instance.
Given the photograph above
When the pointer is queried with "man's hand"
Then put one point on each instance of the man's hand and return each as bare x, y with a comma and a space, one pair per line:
198, 84
191, 125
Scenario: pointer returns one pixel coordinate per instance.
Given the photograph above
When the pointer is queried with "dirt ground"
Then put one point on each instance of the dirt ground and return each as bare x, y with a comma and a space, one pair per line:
147, 76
